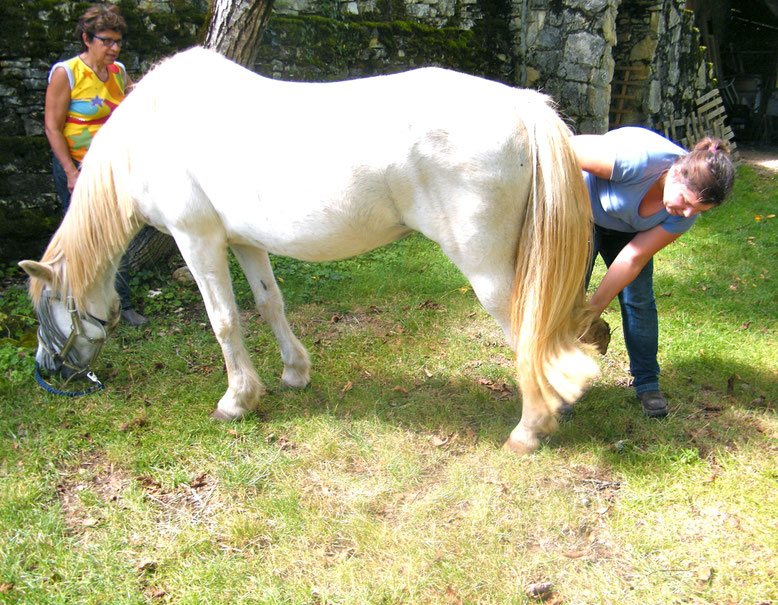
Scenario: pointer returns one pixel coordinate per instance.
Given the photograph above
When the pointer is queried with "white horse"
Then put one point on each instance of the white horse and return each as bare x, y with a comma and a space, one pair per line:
218, 156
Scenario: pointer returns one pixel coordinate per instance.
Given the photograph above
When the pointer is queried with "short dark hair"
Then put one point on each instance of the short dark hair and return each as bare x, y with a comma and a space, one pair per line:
97, 18
708, 170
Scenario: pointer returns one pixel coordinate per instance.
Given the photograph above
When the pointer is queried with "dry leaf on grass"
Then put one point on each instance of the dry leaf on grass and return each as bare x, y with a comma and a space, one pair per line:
199, 480
451, 595
155, 593
146, 565
704, 574
539, 590
575, 554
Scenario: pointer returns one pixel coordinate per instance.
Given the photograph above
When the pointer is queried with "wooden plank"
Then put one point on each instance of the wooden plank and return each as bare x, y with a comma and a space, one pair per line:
708, 106
707, 96
716, 113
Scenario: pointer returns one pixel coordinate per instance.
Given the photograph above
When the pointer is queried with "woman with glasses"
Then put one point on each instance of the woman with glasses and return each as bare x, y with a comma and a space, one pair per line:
82, 93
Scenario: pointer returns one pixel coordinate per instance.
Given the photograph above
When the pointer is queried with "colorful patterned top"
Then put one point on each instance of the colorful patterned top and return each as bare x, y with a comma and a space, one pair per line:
91, 101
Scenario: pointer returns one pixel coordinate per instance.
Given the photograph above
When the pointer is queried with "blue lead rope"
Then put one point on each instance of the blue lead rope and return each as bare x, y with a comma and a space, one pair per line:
97, 386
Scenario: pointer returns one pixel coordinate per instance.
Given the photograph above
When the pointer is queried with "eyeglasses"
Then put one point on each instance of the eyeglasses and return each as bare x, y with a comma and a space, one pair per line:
109, 42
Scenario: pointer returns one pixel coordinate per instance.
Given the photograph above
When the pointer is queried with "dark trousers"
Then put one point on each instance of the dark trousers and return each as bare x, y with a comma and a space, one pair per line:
638, 310
122, 283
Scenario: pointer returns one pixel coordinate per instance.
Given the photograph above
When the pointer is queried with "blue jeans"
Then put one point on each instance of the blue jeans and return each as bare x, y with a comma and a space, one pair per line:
122, 283
638, 310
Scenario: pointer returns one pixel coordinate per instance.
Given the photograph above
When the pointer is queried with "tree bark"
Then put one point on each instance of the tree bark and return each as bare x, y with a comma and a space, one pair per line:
236, 27
234, 30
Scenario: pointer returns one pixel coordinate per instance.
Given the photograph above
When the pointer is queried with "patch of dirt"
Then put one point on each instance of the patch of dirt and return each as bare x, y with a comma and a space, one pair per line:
97, 476
766, 158
106, 483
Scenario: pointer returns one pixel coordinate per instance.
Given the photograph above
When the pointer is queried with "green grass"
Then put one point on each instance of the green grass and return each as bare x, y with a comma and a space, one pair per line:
384, 481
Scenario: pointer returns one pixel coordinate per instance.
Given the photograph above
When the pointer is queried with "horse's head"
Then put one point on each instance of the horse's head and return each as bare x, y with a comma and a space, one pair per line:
69, 338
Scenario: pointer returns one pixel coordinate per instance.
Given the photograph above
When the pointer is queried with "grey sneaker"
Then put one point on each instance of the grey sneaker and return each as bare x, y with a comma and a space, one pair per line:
132, 317
654, 404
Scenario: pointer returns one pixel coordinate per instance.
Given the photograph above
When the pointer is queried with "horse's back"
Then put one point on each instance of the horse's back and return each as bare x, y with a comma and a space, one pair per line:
327, 170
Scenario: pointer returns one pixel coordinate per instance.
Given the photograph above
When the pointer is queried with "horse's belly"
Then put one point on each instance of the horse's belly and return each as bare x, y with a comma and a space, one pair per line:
316, 241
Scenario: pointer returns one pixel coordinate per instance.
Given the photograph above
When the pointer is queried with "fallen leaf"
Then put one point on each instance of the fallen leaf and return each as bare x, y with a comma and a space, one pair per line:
745, 326
155, 593
149, 483
133, 424
539, 590
400, 389
574, 554
234, 433
704, 574
199, 481
451, 594
427, 372
146, 565
285, 444
6, 587
438, 441
90, 522
347, 387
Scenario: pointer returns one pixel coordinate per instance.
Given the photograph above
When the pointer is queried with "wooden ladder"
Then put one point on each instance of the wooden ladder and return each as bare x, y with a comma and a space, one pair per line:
622, 90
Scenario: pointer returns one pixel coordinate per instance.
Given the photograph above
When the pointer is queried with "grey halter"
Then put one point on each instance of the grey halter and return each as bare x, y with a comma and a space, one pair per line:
65, 358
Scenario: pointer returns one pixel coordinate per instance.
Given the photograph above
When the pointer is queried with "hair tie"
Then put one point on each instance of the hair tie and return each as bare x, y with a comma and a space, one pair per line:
713, 148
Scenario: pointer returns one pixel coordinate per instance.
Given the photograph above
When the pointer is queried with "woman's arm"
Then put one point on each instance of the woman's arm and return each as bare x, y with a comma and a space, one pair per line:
57, 104
129, 85
595, 153
629, 262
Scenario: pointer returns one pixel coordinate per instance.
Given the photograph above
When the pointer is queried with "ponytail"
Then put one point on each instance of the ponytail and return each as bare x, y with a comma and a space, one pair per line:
708, 170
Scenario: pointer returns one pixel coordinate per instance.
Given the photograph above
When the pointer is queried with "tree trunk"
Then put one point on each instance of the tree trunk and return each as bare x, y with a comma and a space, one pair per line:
236, 27
234, 30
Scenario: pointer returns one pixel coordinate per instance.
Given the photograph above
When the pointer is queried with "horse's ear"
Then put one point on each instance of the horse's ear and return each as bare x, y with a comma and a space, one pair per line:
38, 271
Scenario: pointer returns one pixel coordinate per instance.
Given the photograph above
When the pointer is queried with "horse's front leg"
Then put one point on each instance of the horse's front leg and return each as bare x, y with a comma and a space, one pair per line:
207, 260
270, 304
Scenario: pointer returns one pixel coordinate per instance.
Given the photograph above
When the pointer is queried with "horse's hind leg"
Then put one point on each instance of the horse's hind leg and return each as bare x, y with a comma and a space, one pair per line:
207, 260
256, 266
492, 280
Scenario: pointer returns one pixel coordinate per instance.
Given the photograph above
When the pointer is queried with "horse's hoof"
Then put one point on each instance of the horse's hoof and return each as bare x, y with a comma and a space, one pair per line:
598, 335
514, 446
221, 416
291, 379
292, 386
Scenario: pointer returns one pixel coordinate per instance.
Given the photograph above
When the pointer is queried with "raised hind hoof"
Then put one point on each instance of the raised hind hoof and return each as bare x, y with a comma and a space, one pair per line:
514, 446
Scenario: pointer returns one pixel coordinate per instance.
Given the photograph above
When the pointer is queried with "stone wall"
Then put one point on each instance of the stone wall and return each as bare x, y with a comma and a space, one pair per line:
659, 41
565, 48
34, 34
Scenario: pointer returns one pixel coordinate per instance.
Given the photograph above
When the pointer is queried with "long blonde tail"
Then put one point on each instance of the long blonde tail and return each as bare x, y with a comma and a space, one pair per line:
548, 309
